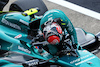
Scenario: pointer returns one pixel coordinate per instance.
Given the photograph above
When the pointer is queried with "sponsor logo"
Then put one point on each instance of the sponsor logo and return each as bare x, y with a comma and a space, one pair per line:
18, 36
32, 62
23, 49
35, 63
51, 18
24, 22
85, 51
79, 59
10, 24
85, 60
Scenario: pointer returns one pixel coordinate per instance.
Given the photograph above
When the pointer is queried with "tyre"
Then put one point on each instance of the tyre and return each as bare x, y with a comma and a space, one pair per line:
22, 5
3, 3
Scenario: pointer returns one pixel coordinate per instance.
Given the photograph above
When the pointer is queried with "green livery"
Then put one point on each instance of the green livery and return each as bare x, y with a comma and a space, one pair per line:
16, 49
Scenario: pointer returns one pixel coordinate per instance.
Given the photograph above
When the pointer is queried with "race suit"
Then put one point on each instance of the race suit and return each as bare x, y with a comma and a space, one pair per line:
65, 24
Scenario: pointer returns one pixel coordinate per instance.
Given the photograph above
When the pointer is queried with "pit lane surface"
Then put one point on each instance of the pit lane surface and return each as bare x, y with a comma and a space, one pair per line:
90, 4
87, 23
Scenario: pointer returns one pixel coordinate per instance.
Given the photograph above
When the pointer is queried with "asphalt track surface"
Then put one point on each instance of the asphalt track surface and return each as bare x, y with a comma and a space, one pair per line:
85, 22
90, 4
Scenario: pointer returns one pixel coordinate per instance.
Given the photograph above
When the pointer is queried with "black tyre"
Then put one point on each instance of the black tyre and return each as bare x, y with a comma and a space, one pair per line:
22, 5
3, 3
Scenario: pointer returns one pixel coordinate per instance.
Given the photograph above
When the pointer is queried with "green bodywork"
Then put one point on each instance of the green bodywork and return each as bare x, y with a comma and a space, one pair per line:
14, 38
66, 23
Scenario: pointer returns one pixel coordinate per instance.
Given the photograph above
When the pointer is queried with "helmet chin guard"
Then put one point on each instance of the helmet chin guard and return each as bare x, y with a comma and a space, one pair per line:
53, 39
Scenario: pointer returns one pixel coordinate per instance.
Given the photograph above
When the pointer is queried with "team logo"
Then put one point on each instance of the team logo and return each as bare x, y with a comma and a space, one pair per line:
84, 50
18, 36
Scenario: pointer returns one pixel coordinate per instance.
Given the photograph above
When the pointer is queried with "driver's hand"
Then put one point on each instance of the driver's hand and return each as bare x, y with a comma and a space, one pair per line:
41, 38
74, 46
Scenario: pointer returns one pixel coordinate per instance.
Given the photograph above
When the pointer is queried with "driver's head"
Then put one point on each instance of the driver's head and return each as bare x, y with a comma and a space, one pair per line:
53, 33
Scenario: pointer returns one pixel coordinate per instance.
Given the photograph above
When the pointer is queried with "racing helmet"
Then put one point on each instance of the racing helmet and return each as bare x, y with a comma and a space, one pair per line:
53, 33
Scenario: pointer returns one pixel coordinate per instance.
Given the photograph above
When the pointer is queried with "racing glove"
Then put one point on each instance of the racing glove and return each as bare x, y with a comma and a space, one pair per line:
72, 46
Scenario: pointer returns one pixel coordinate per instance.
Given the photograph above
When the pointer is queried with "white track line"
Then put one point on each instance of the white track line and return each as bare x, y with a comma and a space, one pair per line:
77, 8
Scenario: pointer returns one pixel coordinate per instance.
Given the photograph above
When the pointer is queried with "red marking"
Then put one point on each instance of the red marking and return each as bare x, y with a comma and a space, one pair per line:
18, 36
53, 39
